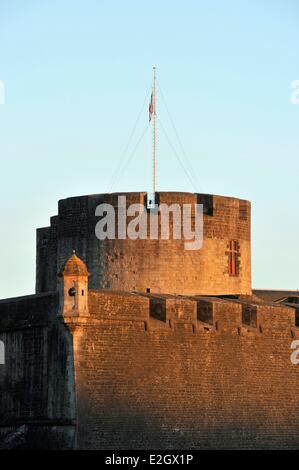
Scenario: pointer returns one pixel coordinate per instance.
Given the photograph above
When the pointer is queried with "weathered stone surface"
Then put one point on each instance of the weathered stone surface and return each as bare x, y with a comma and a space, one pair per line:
143, 382
37, 380
162, 266
94, 368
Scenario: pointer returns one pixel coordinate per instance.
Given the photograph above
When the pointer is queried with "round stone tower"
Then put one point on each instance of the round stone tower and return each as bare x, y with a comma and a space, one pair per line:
222, 266
73, 288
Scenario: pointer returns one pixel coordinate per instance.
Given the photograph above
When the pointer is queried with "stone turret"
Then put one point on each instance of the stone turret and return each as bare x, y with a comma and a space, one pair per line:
73, 288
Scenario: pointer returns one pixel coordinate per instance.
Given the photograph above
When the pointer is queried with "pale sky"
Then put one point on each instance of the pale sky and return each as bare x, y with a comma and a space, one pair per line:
76, 75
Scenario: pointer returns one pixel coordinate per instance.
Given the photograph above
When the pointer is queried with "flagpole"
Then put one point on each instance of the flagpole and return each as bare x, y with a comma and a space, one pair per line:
154, 135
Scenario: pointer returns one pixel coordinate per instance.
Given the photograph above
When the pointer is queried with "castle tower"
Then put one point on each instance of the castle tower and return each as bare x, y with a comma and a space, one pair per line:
222, 266
73, 288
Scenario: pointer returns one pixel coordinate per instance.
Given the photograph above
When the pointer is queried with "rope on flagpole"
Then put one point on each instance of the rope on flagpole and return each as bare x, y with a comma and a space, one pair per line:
195, 179
116, 172
124, 167
177, 156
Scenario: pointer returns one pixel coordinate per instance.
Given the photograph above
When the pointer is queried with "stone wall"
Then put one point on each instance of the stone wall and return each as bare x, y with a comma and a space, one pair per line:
162, 266
37, 379
150, 371
184, 383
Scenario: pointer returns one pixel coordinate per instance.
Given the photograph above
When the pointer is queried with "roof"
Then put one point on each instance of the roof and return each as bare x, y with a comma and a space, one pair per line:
274, 295
74, 267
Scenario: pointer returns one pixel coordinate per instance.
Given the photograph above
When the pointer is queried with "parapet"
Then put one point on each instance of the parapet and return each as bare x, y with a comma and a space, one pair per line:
28, 310
160, 311
200, 313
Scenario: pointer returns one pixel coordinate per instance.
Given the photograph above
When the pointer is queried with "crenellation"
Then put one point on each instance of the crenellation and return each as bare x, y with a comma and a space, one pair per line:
126, 342
157, 262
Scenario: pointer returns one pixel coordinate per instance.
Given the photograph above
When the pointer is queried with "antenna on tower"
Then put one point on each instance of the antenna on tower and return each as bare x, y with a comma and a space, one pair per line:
152, 114
155, 133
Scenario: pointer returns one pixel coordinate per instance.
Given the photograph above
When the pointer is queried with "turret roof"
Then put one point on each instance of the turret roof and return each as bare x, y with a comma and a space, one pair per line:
74, 267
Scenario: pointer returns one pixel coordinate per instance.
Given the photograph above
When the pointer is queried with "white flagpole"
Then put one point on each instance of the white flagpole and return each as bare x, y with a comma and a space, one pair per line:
154, 134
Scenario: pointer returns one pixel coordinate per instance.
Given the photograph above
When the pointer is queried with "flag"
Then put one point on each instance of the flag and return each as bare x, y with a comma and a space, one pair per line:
151, 108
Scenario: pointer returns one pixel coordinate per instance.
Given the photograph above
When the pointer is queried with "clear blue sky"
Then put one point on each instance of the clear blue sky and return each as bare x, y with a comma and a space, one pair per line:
76, 74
